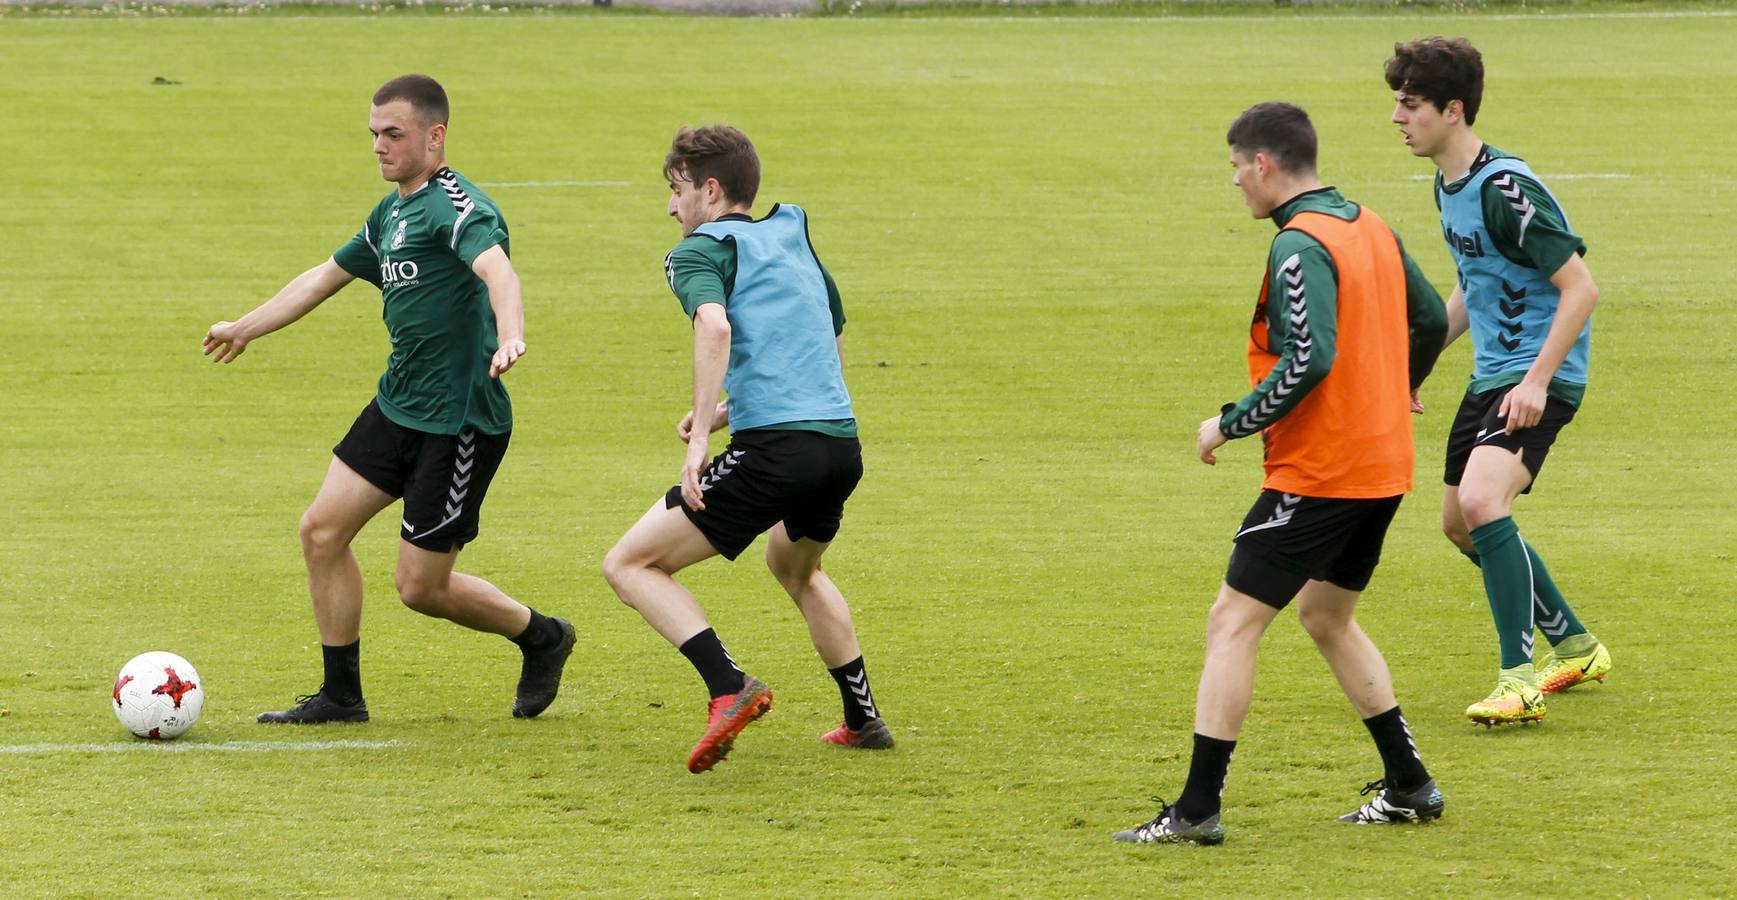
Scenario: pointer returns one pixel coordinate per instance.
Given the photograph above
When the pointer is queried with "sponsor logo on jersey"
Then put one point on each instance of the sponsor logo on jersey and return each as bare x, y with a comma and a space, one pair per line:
1464, 244
398, 274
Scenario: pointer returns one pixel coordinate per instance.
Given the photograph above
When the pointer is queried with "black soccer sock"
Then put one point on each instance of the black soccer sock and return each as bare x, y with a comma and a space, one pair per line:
540, 633
853, 687
708, 655
343, 672
1200, 796
1403, 768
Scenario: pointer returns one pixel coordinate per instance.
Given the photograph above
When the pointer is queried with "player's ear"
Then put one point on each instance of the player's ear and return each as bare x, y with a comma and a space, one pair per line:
1455, 111
437, 136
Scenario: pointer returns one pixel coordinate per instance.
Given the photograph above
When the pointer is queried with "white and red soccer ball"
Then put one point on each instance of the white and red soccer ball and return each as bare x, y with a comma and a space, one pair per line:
158, 695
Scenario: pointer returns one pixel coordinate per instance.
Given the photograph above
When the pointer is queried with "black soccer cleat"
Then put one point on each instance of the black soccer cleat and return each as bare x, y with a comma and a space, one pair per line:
315, 709
540, 674
1391, 807
1168, 827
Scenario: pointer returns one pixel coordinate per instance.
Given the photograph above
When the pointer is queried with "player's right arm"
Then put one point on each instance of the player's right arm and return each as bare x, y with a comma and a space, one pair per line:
1302, 325
701, 273
225, 341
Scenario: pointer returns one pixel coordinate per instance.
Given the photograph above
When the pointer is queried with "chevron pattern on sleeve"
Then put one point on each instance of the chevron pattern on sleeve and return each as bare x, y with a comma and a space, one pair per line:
461, 201
1266, 411
1516, 197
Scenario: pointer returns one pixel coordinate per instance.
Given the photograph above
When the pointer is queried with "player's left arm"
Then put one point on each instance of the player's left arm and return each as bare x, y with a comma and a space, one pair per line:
1529, 228
496, 271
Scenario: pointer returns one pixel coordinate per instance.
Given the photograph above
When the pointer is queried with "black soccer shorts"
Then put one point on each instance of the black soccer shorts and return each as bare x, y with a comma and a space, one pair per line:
1478, 424
1287, 540
442, 477
764, 477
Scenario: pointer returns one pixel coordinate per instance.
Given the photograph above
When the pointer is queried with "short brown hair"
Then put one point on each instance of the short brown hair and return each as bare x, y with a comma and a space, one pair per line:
716, 151
1280, 130
424, 94
1440, 70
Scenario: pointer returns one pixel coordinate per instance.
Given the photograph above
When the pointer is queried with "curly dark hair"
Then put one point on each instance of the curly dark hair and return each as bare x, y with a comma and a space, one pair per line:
1440, 70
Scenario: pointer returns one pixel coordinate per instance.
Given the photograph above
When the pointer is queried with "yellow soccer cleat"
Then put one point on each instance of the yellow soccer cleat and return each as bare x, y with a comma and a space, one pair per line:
1557, 674
1512, 701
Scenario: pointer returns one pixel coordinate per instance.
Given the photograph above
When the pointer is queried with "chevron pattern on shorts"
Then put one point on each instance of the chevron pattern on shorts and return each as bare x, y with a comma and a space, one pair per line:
724, 466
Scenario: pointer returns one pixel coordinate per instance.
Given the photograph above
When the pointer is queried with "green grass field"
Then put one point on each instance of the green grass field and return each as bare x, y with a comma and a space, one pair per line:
1047, 274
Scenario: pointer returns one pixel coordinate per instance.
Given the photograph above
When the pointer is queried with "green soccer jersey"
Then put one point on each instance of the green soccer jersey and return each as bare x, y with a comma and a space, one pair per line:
418, 251
702, 270
1541, 240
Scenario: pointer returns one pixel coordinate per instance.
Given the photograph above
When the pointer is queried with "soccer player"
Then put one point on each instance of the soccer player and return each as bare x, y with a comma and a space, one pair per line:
439, 423
1527, 297
1345, 330
768, 329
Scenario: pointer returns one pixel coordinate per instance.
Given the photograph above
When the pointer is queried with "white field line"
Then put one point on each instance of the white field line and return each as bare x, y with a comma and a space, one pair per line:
1565, 176
528, 184
193, 747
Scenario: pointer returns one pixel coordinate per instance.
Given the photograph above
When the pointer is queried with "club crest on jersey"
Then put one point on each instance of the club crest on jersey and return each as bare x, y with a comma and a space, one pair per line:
398, 236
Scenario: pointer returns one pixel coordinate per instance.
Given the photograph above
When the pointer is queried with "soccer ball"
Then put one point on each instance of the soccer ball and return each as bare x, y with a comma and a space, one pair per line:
158, 695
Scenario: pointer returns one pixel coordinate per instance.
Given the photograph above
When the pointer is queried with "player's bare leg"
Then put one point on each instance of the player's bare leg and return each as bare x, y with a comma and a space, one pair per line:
1407, 793
1328, 614
639, 568
427, 584
346, 502
1233, 635
640, 565
796, 565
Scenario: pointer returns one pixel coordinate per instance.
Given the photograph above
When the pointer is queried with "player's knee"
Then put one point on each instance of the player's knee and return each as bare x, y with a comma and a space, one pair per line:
1226, 623
794, 576
1322, 623
419, 595
1478, 507
618, 567
319, 540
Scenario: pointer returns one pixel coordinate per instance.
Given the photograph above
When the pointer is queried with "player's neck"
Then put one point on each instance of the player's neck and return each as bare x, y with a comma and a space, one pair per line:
1283, 192
735, 209
406, 188
1456, 158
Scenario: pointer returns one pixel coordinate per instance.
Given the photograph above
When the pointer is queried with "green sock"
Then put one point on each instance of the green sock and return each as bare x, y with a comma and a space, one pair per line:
1555, 618
1508, 585
1473, 556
